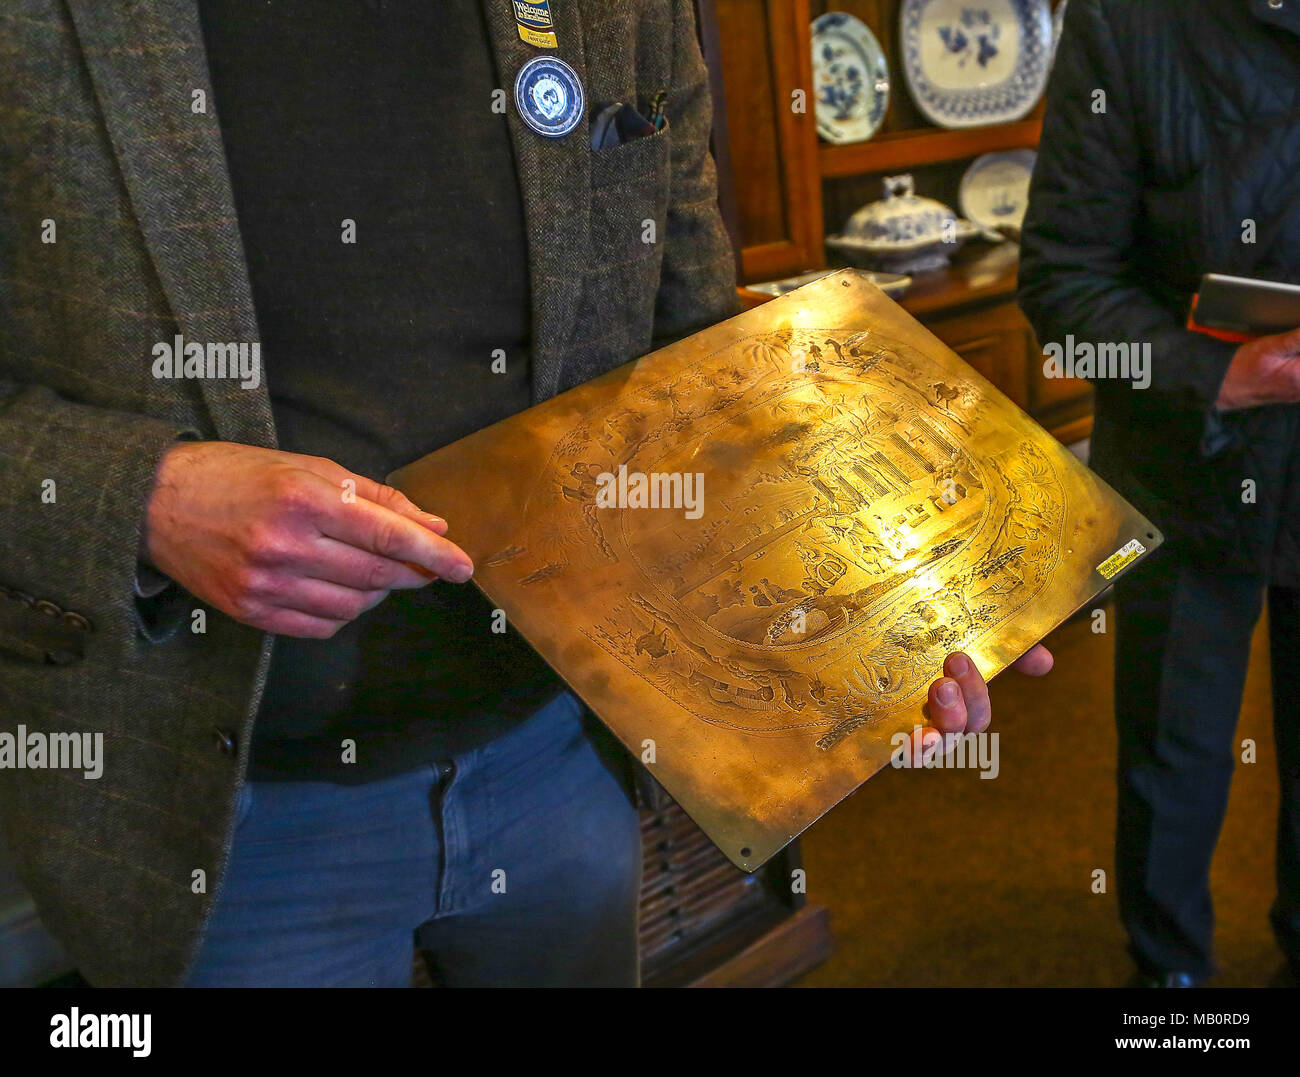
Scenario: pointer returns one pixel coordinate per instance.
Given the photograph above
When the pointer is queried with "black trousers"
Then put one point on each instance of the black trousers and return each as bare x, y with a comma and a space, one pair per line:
1182, 646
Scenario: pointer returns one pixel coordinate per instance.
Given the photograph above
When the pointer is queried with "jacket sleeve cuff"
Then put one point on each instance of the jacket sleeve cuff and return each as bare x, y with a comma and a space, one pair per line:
159, 617
149, 582
160, 605
1219, 432
1190, 368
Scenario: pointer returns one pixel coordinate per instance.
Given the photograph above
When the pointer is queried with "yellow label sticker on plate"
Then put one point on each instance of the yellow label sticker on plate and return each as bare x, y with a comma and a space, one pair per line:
542, 41
1121, 559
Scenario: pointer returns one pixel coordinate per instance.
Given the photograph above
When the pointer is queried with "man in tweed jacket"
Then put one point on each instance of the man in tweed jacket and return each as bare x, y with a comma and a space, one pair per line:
125, 610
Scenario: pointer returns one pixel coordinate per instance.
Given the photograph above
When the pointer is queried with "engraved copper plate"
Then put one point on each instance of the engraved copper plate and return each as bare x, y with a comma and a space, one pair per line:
869, 504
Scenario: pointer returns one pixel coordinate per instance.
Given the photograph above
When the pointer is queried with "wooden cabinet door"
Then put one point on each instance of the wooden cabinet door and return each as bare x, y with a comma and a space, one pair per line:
996, 341
765, 57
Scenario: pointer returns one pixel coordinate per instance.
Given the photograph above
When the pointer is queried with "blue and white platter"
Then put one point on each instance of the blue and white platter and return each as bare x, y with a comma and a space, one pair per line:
975, 62
850, 78
995, 190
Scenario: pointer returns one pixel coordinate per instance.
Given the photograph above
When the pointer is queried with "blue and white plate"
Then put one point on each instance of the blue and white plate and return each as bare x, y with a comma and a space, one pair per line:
850, 76
975, 62
995, 190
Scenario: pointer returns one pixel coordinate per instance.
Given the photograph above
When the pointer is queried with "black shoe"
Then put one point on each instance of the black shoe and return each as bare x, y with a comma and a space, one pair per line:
1165, 979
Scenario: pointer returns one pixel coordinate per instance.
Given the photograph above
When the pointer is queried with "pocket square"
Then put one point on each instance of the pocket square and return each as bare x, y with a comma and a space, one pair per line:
616, 123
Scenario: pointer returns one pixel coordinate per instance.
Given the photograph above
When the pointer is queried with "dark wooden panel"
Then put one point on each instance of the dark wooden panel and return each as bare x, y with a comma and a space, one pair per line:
765, 58
706, 21
779, 956
912, 149
999, 342
995, 341
1047, 394
745, 47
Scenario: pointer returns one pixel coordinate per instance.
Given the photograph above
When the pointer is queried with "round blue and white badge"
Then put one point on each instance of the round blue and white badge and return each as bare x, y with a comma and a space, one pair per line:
549, 96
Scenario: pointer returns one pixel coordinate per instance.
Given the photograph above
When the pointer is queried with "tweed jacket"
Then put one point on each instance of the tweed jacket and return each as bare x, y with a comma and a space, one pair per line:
117, 232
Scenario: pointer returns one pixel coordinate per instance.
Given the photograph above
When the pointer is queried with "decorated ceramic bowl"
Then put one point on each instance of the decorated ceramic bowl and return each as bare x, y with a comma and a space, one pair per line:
903, 232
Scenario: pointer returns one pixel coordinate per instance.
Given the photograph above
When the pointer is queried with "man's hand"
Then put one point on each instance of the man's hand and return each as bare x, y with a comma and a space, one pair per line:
959, 702
291, 544
1263, 371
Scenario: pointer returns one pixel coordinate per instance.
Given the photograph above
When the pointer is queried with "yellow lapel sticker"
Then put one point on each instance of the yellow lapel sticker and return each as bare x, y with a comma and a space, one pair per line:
535, 24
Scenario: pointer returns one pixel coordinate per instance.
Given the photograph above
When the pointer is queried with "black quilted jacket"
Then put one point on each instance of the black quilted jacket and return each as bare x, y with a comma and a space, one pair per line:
1171, 148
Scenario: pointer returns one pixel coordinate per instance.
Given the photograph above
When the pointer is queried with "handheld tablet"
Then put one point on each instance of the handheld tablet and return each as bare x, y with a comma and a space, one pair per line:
1246, 305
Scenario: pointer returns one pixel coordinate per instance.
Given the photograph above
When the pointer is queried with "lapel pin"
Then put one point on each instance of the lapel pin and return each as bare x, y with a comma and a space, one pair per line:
549, 96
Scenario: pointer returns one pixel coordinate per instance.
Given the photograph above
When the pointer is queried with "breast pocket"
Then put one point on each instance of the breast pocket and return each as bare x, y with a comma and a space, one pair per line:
630, 189
629, 193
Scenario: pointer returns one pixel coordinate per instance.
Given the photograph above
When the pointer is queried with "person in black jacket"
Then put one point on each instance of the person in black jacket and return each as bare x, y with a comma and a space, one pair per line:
1171, 148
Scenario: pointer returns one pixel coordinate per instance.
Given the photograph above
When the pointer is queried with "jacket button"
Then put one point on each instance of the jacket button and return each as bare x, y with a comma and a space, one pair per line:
76, 620
225, 741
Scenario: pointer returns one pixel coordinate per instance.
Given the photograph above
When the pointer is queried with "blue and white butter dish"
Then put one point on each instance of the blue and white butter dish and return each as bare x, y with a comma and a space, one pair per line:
903, 232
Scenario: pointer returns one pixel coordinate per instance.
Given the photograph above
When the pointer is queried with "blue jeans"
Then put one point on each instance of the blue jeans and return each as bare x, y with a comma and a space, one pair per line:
517, 863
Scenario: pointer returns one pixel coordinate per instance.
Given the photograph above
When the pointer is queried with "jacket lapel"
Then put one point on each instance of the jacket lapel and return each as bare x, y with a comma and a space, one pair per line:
555, 184
146, 57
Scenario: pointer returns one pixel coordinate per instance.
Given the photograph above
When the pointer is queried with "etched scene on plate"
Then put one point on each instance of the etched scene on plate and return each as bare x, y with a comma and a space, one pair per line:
847, 541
